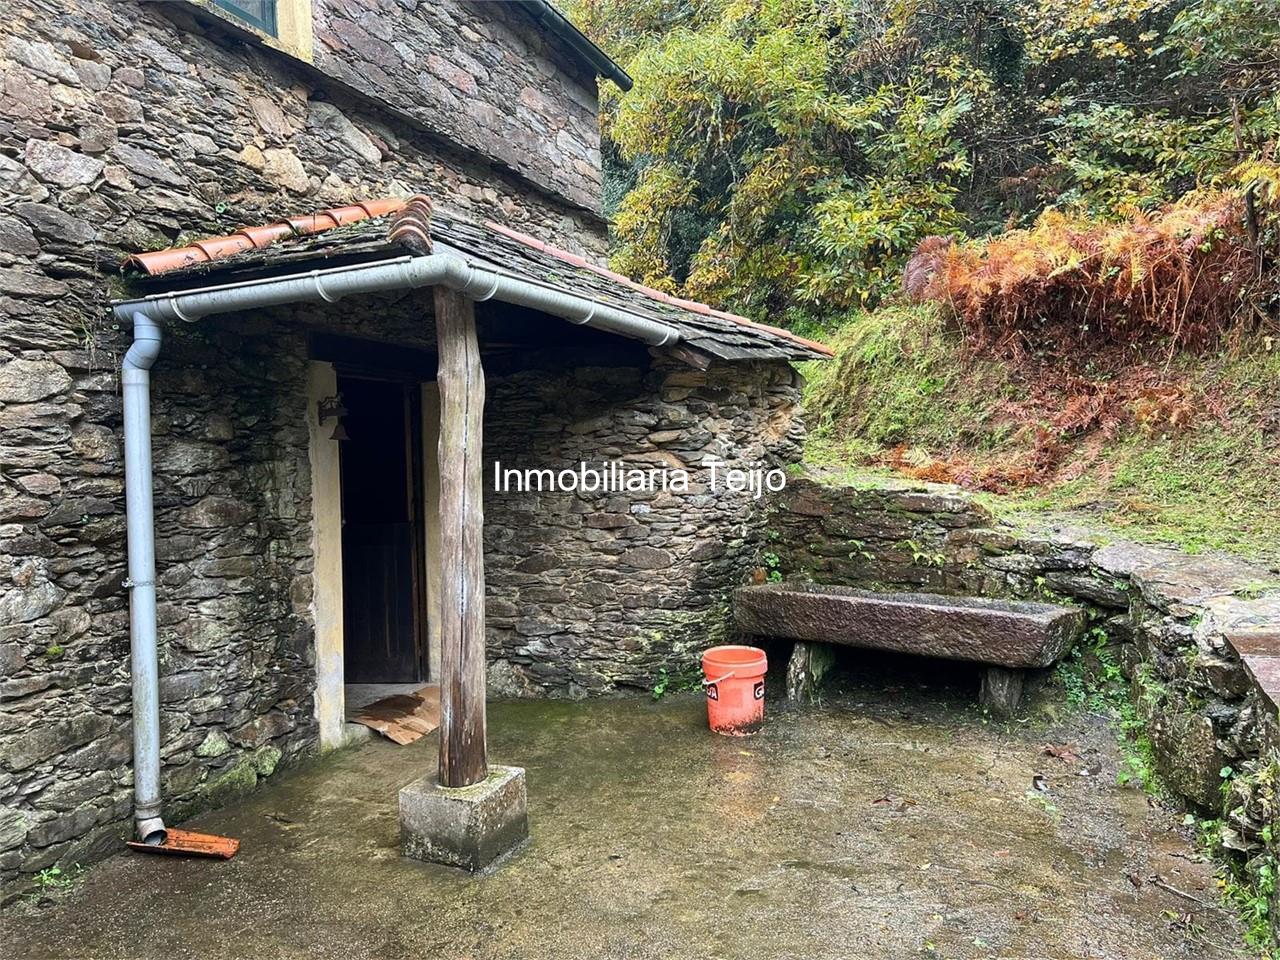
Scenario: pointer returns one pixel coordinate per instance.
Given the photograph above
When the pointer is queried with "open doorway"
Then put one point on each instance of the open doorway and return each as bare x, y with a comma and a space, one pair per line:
383, 568
375, 492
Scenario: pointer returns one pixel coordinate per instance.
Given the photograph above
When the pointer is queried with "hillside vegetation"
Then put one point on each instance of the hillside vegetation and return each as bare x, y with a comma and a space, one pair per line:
1124, 368
1042, 235
1189, 453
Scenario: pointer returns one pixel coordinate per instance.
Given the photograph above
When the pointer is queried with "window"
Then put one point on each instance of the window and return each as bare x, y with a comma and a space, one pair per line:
256, 13
283, 24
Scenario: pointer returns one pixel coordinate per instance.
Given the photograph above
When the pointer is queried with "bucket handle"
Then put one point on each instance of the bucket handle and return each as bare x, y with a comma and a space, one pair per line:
712, 683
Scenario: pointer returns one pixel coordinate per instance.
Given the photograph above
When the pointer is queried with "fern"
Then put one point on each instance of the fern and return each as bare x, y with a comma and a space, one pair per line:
1067, 282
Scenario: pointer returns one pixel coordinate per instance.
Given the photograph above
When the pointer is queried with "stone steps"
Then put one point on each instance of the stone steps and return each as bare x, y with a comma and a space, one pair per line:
1009, 636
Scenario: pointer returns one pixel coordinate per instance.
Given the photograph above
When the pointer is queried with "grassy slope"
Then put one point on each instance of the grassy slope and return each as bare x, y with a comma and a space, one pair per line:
904, 390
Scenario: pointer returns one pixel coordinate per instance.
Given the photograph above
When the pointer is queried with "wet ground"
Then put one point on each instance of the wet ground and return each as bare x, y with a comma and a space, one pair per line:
891, 821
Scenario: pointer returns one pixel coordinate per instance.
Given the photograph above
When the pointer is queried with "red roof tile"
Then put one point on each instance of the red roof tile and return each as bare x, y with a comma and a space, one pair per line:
251, 238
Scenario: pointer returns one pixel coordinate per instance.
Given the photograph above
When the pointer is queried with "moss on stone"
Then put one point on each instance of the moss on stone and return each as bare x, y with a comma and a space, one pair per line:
266, 759
235, 782
477, 789
215, 744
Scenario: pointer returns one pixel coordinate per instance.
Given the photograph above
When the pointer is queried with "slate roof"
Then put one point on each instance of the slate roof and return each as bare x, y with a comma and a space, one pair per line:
490, 246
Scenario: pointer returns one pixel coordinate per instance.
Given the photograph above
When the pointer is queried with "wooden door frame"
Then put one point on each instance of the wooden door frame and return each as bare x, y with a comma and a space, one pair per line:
415, 485
326, 540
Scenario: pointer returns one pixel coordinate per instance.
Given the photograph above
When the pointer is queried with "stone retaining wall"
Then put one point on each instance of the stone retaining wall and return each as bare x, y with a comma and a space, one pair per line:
1199, 636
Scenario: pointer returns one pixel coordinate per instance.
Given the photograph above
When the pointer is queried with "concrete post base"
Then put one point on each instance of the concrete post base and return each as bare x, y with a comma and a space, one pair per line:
468, 827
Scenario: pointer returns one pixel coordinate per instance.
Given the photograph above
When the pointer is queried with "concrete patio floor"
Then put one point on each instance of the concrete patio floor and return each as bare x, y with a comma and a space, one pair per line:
889, 822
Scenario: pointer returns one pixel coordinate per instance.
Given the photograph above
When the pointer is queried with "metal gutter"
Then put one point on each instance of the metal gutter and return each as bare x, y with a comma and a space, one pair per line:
148, 313
438, 269
561, 26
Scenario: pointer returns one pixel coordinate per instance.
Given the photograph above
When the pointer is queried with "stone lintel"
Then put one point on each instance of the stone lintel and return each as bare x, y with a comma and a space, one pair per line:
467, 827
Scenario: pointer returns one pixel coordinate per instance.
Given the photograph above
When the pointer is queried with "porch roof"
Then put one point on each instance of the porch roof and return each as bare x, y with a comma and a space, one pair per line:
366, 233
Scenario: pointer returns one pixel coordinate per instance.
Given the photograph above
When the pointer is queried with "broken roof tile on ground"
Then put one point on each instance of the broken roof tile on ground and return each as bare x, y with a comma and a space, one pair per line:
365, 233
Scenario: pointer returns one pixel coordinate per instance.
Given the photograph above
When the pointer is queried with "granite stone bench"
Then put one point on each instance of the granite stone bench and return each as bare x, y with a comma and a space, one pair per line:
1009, 636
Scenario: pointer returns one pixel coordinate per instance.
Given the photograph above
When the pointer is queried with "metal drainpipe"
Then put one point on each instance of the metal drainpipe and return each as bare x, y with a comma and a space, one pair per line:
449, 269
135, 374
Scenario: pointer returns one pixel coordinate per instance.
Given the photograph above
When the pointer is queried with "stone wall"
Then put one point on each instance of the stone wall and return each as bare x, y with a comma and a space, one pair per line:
1173, 614
480, 73
1198, 636
586, 594
130, 126
235, 656
589, 592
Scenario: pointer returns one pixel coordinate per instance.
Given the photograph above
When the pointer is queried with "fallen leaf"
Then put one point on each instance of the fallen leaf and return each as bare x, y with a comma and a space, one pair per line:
1066, 752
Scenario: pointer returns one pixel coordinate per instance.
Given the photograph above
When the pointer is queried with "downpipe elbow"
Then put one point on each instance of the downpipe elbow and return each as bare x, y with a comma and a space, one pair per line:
151, 830
144, 350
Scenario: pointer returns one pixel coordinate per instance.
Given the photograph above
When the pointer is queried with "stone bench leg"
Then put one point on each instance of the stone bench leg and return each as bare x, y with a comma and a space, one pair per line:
1001, 690
809, 664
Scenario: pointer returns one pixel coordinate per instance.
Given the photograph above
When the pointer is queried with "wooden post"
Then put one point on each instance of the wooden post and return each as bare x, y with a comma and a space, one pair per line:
462, 654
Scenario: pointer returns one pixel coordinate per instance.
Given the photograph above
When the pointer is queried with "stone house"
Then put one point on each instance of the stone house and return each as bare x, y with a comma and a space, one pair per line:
288, 561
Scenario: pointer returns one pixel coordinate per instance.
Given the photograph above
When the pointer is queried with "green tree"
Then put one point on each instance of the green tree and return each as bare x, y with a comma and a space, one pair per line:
784, 157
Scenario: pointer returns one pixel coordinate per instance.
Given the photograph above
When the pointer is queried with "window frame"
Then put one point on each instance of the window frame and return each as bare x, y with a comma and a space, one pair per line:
293, 26
270, 28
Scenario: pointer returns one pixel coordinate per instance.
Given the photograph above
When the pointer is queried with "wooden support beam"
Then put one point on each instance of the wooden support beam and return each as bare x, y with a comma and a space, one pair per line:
698, 359
462, 655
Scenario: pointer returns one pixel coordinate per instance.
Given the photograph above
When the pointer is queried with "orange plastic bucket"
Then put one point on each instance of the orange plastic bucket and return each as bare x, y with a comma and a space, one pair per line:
733, 677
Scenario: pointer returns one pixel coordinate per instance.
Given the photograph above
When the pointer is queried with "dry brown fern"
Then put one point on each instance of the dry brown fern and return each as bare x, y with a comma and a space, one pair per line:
1067, 284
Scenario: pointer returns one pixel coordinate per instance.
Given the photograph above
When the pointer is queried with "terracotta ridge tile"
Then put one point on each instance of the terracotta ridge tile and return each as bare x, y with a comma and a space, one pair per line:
157, 262
411, 227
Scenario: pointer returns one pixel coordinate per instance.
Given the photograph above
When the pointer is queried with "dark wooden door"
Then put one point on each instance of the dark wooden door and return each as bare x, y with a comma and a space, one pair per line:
382, 581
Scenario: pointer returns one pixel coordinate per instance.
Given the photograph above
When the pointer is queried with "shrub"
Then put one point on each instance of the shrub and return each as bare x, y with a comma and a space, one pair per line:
1182, 276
